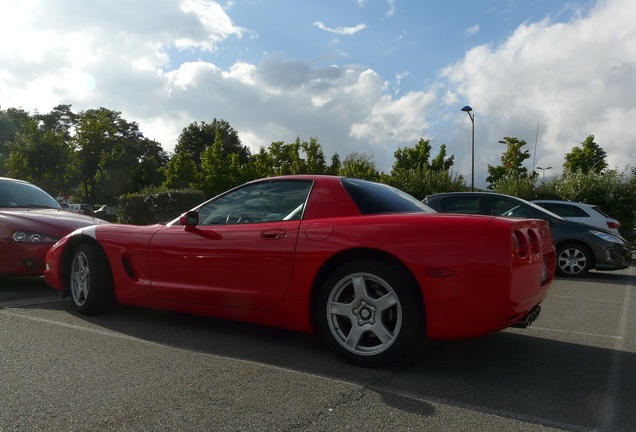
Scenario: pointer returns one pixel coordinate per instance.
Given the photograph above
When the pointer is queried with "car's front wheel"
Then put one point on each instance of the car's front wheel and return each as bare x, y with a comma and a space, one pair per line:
91, 280
573, 260
369, 313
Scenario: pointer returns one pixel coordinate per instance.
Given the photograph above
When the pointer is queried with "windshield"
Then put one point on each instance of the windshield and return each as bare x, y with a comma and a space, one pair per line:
376, 198
18, 194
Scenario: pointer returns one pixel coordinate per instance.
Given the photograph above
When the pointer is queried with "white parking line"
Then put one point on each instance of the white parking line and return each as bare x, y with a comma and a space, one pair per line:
30, 301
536, 328
584, 298
611, 402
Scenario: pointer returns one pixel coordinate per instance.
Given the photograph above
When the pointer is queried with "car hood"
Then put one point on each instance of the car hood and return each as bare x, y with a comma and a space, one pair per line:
47, 221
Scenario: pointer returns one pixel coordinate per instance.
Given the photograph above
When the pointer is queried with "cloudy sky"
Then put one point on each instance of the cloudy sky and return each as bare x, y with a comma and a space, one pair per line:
365, 76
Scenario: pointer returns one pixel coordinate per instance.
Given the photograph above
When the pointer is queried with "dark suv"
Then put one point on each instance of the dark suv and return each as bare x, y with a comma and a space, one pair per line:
580, 247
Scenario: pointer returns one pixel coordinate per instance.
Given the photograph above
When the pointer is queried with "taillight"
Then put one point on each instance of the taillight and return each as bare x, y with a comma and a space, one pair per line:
521, 244
613, 225
535, 243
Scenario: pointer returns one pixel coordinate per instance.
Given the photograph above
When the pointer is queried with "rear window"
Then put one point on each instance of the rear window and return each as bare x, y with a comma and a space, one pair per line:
377, 198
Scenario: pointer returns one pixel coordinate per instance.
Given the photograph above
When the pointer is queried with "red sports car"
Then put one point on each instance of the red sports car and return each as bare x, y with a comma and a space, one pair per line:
31, 221
371, 269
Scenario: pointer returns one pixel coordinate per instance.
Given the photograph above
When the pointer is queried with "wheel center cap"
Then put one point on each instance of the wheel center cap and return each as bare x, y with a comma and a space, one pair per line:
365, 313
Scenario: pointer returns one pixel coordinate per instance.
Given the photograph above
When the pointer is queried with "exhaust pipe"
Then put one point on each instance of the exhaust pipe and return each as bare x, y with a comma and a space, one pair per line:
528, 318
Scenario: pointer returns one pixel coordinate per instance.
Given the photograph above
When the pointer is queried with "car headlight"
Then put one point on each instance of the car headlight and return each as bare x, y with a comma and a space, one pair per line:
32, 237
607, 237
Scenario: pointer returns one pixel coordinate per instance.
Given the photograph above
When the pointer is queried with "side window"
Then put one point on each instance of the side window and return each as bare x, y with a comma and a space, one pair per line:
460, 204
505, 207
258, 202
574, 211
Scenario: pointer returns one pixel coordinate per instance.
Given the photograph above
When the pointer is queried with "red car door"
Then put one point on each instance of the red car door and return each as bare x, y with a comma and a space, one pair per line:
240, 254
246, 266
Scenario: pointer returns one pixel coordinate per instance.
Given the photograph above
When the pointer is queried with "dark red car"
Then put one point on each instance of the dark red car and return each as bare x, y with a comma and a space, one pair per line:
31, 221
370, 268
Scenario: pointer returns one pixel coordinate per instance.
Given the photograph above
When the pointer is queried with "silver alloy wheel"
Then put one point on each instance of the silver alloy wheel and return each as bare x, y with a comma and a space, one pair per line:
364, 314
572, 261
80, 278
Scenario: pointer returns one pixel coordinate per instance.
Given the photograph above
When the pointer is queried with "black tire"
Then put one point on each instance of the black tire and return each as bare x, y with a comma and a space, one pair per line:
369, 313
90, 280
573, 260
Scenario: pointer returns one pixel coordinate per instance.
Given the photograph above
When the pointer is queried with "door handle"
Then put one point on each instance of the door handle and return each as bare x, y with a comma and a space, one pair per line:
275, 234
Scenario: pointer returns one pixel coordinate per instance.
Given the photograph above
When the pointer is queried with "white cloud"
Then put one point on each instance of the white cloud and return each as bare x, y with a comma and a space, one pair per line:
473, 29
345, 31
575, 79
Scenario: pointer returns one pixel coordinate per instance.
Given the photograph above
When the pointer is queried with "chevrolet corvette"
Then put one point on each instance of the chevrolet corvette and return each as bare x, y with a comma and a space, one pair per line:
369, 268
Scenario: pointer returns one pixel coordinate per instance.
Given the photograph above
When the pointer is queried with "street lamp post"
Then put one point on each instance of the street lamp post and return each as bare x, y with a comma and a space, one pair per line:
543, 169
468, 109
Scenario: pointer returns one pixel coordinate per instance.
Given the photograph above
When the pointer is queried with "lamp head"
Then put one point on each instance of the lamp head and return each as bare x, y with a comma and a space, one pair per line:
467, 109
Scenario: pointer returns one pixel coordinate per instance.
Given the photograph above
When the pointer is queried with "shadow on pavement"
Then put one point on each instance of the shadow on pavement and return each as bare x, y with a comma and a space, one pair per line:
511, 374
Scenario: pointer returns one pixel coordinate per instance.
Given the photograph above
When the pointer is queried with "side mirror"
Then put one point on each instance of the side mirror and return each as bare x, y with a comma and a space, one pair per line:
189, 219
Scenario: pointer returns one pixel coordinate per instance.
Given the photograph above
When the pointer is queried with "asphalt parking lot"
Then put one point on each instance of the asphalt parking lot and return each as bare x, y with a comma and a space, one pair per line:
136, 369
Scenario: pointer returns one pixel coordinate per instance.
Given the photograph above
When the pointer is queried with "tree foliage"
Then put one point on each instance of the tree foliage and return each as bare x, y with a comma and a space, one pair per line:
41, 156
196, 137
415, 173
12, 121
361, 166
218, 172
511, 166
181, 172
589, 158
112, 154
423, 181
418, 157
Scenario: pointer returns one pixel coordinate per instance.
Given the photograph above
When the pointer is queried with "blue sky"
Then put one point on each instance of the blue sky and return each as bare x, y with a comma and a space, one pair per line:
362, 76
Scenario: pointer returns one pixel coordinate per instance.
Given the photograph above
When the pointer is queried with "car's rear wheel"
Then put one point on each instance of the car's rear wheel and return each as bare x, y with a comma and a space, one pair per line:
369, 313
91, 280
573, 260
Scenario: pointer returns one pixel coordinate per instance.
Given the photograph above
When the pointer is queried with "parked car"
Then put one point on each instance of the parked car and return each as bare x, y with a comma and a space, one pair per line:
583, 213
580, 247
86, 209
31, 221
371, 269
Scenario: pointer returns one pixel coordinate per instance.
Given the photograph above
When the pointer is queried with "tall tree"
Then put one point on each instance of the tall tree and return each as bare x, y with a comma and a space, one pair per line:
418, 157
12, 120
589, 158
41, 156
299, 157
181, 171
153, 160
415, 173
110, 150
60, 120
360, 165
131, 164
511, 166
219, 172
314, 161
196, 137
